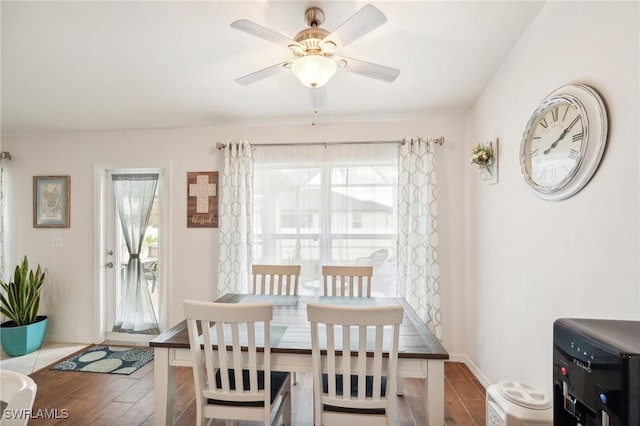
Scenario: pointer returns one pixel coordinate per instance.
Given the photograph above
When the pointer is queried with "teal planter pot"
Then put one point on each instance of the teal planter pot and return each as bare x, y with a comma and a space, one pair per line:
24, 339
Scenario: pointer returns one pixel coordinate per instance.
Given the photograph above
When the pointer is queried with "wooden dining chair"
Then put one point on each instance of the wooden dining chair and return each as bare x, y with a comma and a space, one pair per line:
233, 379
354, 281
276, 279
355, 362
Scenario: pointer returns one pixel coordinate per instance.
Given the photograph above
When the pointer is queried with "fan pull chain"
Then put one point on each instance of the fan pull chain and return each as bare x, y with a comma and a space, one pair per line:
313, 117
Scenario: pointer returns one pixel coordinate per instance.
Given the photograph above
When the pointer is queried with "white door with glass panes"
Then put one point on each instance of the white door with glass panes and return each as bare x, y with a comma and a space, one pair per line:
135, 196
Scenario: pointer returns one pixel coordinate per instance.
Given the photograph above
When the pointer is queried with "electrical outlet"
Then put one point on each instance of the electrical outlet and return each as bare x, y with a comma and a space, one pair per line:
56, 242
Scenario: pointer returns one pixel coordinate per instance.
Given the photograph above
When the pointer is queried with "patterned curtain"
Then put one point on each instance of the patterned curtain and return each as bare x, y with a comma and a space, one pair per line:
418, 268
235, 210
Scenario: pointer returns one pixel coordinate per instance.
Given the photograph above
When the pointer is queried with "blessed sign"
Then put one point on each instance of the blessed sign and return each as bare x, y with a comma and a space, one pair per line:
202, 199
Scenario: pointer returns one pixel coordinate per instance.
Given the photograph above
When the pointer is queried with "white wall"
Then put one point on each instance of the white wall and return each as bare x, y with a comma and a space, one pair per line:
532, 261
71, 288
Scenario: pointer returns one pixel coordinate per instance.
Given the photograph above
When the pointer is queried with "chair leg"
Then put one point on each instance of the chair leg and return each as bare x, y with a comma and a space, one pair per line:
400, 386
200, 419
287, 409
317, 411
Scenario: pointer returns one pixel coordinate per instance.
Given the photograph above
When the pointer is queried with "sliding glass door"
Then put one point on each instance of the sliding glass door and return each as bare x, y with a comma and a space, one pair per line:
327, 209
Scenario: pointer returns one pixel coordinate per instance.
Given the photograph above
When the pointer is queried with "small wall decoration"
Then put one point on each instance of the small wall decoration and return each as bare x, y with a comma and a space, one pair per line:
51, 207
485, 156
202, 199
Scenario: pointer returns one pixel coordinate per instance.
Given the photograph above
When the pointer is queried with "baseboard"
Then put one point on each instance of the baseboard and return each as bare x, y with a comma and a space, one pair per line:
463, 358
124, 343
59, 338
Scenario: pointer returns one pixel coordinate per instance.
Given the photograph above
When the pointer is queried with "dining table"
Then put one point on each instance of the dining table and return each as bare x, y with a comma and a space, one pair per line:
420, 354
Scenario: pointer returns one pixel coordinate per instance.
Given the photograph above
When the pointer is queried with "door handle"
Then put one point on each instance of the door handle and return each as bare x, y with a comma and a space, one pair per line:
109, 265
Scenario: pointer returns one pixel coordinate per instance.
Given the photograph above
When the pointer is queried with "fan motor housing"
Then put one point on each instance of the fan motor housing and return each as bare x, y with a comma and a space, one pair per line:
312, 38
313, 32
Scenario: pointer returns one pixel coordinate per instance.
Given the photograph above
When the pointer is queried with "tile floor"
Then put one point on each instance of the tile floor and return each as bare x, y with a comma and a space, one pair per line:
49, 353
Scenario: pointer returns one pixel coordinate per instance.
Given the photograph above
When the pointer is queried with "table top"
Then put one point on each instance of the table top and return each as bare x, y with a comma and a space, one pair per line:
290, 312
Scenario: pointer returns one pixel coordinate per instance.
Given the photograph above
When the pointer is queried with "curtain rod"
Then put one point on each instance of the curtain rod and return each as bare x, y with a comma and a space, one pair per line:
438, 141
5, 155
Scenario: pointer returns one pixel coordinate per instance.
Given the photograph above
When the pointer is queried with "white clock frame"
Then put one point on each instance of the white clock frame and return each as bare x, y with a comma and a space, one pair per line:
593, 114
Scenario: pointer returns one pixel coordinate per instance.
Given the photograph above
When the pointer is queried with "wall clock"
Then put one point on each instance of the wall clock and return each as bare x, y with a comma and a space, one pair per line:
563, 142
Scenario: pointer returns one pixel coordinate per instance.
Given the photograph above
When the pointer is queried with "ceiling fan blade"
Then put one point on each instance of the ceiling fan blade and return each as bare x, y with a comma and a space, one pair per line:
264, 33
369, 69
318, 97
263, 73
363, 21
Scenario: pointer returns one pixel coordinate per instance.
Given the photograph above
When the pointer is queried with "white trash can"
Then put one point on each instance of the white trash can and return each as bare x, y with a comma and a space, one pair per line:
511, 403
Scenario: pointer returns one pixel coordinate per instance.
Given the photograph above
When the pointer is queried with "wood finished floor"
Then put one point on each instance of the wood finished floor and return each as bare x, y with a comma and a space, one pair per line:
80, 398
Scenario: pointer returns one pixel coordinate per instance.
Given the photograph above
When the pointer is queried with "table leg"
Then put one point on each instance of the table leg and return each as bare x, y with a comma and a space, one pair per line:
164, 376
434, 392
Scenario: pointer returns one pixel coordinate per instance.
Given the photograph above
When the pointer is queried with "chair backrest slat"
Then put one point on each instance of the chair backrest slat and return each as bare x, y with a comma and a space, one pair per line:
377, 361
346, 358
352, 281
236, 352
275, 279
222, 357
362, 362
253, 359
331, 354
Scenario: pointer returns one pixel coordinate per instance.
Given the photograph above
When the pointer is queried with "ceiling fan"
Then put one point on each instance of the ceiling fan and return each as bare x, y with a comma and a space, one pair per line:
314, 49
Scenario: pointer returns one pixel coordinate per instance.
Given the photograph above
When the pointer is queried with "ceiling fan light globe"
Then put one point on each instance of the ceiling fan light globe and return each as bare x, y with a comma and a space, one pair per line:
313, 70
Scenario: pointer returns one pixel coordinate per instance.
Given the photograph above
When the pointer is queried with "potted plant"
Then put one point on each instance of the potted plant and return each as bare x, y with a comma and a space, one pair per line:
25, 330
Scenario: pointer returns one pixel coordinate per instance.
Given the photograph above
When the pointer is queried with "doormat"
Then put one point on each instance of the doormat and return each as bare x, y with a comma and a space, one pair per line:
107, 359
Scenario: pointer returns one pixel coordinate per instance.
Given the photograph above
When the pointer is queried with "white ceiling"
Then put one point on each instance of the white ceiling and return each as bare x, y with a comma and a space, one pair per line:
135, 65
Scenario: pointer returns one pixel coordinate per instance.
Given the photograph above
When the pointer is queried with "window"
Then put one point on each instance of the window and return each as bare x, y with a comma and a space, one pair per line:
318, 208
356, 220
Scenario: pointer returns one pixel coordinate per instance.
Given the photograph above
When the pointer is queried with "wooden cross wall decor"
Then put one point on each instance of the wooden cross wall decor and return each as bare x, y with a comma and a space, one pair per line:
202, 199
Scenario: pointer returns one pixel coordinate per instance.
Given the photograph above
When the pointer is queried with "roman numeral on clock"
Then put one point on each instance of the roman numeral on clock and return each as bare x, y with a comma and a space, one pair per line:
544, 123
574, 153
577, 137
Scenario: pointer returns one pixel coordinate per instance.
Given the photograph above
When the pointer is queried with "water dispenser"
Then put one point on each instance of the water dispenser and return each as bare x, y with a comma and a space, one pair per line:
596, 372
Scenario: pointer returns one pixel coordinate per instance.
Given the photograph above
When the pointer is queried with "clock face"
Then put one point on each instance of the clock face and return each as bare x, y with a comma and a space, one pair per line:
554, 145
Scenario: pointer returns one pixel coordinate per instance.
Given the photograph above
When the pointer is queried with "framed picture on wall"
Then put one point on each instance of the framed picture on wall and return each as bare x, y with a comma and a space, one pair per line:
202, 199
51, 196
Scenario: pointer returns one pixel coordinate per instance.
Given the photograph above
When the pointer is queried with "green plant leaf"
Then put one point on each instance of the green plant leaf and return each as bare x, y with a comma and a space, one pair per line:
20, 299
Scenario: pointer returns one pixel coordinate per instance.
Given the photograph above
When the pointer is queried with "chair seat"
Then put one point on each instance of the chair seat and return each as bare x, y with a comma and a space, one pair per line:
334, 409
278, 379
354, 393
